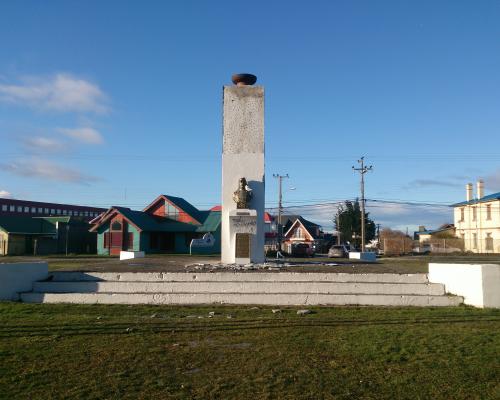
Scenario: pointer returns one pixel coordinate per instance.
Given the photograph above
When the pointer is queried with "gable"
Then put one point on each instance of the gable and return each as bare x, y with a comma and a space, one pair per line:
112, 218
175, 208
298, 231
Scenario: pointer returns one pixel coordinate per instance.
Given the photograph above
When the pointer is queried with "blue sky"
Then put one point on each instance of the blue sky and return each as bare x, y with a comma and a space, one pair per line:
106, 103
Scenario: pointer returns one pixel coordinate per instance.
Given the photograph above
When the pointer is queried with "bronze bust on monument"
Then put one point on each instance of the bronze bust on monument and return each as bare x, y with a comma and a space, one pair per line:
243, 195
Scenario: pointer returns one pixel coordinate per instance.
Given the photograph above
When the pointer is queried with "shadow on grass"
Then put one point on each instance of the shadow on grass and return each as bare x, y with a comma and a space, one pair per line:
7, 331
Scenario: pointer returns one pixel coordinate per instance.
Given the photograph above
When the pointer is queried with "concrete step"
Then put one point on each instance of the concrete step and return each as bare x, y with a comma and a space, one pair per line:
202, 287
63, 276
281, 299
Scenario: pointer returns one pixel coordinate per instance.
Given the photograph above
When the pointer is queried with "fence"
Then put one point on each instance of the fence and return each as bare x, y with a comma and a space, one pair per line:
450, 245
397, 246
401, 246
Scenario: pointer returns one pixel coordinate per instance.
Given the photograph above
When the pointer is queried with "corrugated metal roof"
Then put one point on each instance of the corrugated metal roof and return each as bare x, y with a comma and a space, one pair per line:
490, 197
211, 223
26, 224
148, 222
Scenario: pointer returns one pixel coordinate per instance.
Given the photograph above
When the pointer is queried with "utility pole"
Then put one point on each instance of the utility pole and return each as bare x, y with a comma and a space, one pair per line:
339, 241
378, 236
280, 206
362, 170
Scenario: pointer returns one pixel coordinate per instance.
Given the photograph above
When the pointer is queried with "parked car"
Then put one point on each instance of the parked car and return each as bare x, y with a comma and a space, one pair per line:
338, 251
302, 250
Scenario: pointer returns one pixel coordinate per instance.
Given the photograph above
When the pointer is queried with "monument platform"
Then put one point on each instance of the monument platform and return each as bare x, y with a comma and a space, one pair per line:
266, 288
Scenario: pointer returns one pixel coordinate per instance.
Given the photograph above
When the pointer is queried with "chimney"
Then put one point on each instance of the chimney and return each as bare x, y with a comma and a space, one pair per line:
480, 189
468, 191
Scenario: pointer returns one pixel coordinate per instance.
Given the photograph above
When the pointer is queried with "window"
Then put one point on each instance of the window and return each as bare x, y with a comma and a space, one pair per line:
462, 214
19, 209
474, 213
4, 207
70, 212
46, 210
488, 211
12, 208
40, 210
171, 211
26, 209
474, 240
116, 226
65, 212
489, 242
58, 211
298, 233
33, 210
52, 211
86, 213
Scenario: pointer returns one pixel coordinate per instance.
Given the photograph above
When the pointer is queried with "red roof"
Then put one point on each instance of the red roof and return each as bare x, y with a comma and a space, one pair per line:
216, 208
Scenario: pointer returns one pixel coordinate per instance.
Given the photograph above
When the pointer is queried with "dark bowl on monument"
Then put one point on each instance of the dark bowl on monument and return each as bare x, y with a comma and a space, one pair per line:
243, 79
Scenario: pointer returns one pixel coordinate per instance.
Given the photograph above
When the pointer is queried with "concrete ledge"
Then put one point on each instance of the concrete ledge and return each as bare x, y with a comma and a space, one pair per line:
68, 276
19, 277
479, 284
128, 255
281, 299
241, 287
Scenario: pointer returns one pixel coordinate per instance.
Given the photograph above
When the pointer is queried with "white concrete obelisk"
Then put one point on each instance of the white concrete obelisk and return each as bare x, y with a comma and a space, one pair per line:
243, 157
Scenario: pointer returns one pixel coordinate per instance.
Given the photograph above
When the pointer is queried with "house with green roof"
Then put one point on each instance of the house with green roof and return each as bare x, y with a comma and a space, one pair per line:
167, 225
27, 235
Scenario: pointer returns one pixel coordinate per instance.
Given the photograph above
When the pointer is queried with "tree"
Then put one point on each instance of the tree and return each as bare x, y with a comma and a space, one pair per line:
395, 242
348, 222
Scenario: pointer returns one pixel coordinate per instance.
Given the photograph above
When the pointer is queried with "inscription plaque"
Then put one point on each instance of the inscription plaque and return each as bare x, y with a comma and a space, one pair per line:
242, 245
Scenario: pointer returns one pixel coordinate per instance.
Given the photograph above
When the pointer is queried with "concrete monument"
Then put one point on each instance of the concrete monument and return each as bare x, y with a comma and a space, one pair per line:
242, 233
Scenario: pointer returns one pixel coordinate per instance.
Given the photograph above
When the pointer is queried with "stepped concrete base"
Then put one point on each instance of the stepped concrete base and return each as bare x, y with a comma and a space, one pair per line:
278, 299
19, 277
236, 277
242, 287
479, 284
280, 289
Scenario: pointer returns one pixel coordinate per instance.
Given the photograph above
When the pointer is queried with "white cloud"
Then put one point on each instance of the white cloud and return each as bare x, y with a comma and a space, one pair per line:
44, 169
43, 144
492, 181
420, 183
61, 92
401, 216
85, 135
5, 195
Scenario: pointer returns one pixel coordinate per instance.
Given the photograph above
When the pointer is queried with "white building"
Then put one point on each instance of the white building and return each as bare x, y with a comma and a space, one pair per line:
477, 220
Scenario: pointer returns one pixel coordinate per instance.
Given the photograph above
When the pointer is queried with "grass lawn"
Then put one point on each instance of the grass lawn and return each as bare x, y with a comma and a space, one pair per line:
177, 263
159, 352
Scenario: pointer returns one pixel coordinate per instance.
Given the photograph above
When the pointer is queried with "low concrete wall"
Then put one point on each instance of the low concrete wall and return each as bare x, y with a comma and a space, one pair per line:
479, 284
19, 277
363, 256
129, 255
